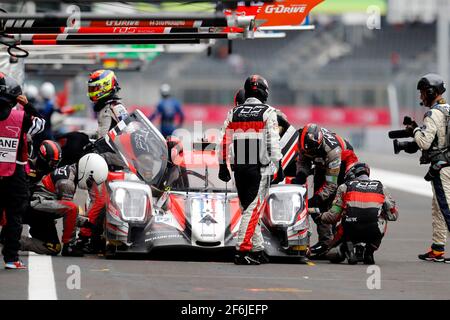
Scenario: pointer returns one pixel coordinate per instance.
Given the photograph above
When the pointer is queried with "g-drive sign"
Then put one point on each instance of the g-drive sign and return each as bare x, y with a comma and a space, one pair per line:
8, 149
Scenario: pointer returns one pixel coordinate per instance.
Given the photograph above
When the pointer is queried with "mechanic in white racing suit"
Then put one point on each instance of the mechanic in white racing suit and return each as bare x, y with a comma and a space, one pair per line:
363, 207
252, 130
288, 140
52, 198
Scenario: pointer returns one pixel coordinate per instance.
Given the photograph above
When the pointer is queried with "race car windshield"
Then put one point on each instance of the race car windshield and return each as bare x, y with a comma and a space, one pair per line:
142, 146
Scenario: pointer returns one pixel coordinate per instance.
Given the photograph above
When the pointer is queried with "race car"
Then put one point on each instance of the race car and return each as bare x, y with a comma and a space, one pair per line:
176, 199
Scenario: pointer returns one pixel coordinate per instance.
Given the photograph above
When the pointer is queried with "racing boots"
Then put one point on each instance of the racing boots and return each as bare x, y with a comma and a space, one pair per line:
71, 250
350, 253
91, 245
336, 255
318, 251
247, 258
261, 256
433, 255
368, 256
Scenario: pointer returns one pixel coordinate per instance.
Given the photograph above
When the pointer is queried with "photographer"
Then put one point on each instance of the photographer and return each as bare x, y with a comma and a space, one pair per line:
432, 138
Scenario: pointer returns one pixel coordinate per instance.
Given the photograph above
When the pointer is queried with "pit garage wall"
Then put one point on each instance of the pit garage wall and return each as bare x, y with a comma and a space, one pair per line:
365, 128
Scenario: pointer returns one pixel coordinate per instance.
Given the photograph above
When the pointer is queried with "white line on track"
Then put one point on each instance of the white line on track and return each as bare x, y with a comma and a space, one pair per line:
41, 280
402, 181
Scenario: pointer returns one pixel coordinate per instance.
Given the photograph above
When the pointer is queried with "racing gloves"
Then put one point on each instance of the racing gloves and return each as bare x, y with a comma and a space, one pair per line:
315, 214
224, 173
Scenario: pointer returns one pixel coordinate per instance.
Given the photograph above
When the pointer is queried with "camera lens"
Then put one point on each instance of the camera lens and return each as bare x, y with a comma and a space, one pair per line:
397, 147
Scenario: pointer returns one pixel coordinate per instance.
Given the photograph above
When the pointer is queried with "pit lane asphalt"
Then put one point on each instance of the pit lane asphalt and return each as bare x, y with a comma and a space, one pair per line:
403, 276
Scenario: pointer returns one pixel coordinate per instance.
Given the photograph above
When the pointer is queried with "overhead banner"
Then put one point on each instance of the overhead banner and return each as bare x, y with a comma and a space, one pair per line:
216, 114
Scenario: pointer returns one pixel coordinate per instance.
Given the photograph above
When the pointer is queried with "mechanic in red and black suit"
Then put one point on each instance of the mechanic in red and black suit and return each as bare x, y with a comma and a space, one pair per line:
328, 157
252, 131
363, 206
15, 124
52, 198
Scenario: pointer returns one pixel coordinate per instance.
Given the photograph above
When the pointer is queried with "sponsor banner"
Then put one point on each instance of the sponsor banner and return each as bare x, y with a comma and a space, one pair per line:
297, 116
8, 149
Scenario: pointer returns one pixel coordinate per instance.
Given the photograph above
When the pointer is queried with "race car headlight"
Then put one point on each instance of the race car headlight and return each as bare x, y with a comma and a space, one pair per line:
133, 203
284, 206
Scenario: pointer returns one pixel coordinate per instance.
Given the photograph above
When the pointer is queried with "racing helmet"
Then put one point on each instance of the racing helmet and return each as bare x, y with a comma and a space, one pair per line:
311, 138
239, 97
92, 168
257, 87
165, 90
102, 84
9, 91
357, 170
433, 85
50, 152
47, 90
31, 92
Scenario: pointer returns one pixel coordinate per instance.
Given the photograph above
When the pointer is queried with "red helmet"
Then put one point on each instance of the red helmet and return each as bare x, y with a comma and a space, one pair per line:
50, 152
311, 138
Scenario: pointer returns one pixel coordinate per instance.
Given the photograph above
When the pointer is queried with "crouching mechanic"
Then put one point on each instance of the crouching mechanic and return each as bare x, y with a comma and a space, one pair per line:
252, 130
53, 199
362, 206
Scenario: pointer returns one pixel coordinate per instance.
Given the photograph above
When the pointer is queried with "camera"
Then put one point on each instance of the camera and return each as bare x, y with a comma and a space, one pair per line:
407, 146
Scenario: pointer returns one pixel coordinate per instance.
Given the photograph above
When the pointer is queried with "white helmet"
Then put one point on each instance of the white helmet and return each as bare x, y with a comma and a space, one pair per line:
47, 90
165, 90
91, 168
31, 91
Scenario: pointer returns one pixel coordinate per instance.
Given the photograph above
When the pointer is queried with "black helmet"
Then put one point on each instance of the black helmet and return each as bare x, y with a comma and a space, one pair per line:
311, 138
433, 85
257, 87
357, 170
50, 152
239, 97
9, 91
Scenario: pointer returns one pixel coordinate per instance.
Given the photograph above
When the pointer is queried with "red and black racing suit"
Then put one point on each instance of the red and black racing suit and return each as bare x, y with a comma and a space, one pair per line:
334, 158
52, 198
363, 207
